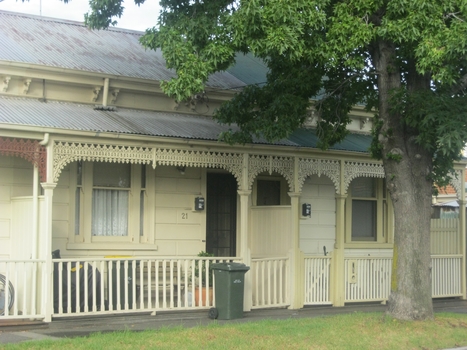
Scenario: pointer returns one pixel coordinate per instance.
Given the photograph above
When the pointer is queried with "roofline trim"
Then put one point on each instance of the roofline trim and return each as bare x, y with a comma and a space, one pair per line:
58, 134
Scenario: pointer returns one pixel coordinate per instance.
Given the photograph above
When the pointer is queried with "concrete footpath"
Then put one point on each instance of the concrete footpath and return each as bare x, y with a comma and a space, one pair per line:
15, 332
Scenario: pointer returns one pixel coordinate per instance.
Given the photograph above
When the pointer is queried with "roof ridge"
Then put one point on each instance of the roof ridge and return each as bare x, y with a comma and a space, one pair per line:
67, 21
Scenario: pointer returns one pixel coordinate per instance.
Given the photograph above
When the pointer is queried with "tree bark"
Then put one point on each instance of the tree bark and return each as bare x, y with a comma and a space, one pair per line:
406, 168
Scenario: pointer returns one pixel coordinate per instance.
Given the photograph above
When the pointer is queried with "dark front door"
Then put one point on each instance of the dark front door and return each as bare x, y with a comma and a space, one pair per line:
221, 213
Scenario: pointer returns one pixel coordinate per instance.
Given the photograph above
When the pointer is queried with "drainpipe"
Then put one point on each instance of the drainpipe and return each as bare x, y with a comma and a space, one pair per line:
45, 141
106, 92
35, 212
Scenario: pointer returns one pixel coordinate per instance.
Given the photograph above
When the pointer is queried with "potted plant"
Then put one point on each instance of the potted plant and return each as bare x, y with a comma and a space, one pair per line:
201, 287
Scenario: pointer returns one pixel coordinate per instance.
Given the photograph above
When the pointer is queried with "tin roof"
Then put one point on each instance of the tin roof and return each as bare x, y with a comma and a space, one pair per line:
249, 69
352, 142
71, 45
81, 117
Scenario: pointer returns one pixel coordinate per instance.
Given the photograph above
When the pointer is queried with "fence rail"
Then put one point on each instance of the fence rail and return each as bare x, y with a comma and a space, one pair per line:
270, 282
21, 289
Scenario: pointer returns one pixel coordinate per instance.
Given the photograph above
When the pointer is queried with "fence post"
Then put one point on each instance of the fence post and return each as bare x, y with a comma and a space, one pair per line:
296, 261
244, 249
48, 285
462, 233
337, 263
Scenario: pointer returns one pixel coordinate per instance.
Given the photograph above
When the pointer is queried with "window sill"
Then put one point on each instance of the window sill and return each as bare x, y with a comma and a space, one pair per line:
112, 246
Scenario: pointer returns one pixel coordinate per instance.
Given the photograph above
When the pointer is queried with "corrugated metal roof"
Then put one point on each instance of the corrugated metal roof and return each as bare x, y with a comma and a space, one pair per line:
352, 142
68, 44
249, 69
80, 117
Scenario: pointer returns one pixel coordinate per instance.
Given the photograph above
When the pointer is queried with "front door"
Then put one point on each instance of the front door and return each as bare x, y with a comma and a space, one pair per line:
221, 210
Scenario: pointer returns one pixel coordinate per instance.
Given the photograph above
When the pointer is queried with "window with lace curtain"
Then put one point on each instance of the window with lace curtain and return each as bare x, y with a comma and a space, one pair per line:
110, 199
109, 202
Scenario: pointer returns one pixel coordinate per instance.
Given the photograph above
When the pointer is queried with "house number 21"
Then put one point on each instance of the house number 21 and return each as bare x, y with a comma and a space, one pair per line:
184, 216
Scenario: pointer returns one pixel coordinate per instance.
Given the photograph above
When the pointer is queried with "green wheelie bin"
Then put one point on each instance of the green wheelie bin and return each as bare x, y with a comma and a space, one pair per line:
229, 279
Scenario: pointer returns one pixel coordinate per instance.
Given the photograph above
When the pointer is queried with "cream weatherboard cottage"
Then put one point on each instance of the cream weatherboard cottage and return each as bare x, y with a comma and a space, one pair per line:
109, 189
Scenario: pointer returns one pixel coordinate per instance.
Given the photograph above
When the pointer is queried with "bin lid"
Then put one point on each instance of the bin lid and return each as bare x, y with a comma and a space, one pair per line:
230, 266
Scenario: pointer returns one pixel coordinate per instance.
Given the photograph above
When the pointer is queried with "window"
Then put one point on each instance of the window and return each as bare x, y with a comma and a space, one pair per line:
110, 201
270, 190
78, 192
366, 209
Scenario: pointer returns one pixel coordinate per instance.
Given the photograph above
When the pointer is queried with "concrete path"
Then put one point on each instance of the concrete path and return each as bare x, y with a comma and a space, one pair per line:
83, 326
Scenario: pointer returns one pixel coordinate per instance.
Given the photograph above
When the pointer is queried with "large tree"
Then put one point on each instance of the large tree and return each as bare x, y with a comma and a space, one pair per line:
404, 59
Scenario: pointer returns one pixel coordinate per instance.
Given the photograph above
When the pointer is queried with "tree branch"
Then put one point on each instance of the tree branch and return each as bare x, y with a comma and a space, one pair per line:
454, 15
461, 85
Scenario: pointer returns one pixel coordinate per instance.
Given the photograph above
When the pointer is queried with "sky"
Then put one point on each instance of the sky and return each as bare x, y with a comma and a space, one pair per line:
134, 17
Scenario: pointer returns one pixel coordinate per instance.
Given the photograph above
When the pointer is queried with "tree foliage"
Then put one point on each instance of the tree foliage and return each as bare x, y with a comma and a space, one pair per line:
319, 53
403, 59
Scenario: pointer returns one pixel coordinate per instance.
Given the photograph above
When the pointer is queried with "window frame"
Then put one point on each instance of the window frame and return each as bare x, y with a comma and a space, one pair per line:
80, 227
384, 217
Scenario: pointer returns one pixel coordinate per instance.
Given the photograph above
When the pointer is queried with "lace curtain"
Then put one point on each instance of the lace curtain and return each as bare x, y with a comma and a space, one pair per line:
109, 212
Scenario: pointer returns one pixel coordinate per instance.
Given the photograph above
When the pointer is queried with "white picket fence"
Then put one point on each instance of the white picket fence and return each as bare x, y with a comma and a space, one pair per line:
317, 280
446, 275
22, 293
94, 286
109, 286
102, 286
270, 282
367, 279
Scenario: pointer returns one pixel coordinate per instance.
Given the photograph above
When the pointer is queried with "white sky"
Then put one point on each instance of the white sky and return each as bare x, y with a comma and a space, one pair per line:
134, 17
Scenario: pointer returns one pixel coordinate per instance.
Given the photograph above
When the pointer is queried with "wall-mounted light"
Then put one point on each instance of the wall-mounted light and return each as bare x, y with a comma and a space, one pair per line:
306, 209
181, 169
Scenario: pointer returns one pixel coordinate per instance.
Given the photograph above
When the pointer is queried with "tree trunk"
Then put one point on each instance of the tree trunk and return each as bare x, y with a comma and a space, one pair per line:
406, 168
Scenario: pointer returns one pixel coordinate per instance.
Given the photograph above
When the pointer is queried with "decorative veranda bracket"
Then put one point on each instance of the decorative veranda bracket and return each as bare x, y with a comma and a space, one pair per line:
329, 168
65, 153
270, 164
232, 162
353, 170
31, 150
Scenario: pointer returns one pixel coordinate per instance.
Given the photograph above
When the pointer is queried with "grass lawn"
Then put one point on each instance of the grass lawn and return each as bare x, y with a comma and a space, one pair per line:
347, 331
